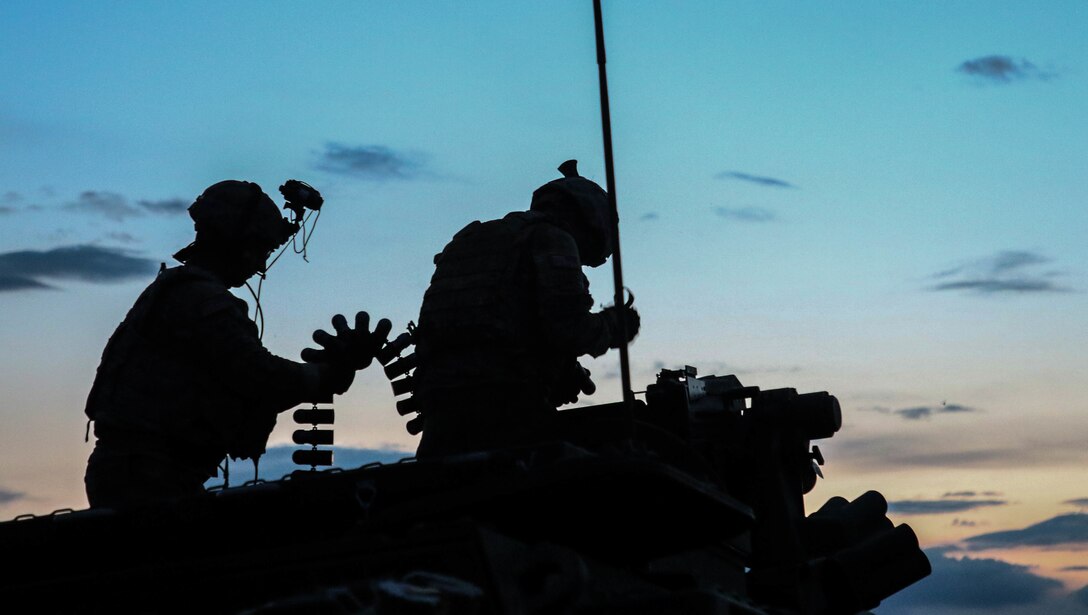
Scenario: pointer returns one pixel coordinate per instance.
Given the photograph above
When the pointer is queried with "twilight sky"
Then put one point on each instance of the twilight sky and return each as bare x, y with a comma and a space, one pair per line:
886, 201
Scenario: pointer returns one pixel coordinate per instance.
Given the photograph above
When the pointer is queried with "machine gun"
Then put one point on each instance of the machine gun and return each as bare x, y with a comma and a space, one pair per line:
845, 557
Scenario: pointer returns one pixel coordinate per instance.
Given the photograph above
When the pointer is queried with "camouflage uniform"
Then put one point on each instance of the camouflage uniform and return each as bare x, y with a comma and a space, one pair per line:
502, 324
184, 380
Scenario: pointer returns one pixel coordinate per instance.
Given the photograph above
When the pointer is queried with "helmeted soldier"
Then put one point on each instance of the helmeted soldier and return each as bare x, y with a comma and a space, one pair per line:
506, 316
185, 381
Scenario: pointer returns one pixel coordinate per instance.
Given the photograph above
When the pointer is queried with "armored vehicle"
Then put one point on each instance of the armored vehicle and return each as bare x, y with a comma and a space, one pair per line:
687, 502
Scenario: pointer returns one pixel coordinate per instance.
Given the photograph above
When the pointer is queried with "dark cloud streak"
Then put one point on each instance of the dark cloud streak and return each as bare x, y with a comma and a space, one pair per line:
939, 507
108, 204
746, 214
1071, 529
22, 269
916, 413
1008, 271
754, 179
168, 207
7, 496
374, 162
1003, 69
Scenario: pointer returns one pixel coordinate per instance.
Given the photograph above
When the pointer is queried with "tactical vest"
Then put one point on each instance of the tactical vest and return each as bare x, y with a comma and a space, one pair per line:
477, 322
151, 396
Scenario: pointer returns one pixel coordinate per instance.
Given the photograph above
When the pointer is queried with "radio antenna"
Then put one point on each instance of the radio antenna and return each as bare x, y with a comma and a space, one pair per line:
610, 177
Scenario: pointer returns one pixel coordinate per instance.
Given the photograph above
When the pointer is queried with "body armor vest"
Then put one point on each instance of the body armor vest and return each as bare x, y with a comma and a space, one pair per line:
477, 323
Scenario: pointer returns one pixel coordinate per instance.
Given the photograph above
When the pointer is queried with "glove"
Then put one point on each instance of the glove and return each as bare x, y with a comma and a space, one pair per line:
577, 381
628, 316
350, 348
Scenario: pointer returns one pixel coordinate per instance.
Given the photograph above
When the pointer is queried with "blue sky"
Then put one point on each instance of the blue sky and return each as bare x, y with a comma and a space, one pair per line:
885, 201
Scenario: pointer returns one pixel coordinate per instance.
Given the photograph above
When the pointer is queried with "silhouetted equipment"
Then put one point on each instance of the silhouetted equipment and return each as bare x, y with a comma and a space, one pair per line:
300, 196
610, 185
313, 437
398, 364
690, 502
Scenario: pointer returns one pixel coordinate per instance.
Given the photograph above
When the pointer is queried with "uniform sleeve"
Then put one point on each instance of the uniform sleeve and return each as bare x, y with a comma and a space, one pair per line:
563, 299
215, 326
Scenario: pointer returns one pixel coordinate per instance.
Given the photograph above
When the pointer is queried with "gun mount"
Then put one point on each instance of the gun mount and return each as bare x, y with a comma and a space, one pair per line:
689, 502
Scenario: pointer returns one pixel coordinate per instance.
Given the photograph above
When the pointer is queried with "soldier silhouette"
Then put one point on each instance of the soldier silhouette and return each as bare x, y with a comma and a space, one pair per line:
506, 316
185, 380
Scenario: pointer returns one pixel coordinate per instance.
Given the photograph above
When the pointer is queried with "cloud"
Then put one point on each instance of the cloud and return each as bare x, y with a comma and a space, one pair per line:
939, 507
17, 282
7, 496
1078, 502
908, 449
916, 413
108, 204
746, 214
972, 583
276, 462
123, 237
649, 216
1009, 271
5, 209
22, 269
971, 494
1075, 568
10, 197
369, 162
754, 179
165, 206
957, 522
1071, 529
1003, 69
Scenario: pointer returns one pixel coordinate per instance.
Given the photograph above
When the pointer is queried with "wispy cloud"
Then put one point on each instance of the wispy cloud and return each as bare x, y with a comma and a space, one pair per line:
165, 206
652, 215
10, 197
22, 270
116, 207
123, 237
761, 180
108, 204
8, 496
6, 209
925, 448
915, 413
746, 214
971, 494
1071, 529
1078, 502
1003, 69
940, 507
1009, 271
370, 162
972, 584
1075, 568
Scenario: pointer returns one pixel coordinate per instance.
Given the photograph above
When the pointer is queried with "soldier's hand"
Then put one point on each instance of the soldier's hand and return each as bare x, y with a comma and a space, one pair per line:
625, 316
351, 347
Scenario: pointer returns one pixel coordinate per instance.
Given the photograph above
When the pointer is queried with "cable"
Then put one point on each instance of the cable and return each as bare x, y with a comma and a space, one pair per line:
258, 311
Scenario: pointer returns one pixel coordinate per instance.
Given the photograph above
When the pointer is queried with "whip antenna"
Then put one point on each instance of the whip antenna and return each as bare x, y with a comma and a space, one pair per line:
610, 177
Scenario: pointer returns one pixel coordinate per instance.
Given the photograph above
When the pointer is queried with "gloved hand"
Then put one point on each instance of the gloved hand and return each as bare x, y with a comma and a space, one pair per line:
628, 316
578, 381
350, 348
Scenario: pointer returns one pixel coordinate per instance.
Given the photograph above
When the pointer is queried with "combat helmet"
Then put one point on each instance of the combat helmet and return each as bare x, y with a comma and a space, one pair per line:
234, 212
581, 204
